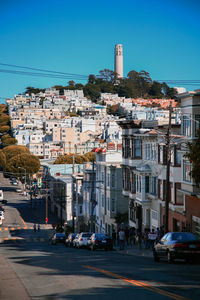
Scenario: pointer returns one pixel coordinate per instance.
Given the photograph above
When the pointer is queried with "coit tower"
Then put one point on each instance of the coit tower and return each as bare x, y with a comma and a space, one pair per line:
119, 60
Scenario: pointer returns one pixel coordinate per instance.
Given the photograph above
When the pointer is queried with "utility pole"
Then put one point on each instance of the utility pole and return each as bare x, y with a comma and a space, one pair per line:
47, 204
92, 200
73, 171
167, 194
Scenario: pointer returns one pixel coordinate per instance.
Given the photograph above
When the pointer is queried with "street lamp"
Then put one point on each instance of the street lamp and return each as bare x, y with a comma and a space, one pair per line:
25, 177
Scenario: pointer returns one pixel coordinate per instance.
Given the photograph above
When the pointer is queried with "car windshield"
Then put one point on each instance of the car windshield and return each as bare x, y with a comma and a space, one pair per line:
60, 234
101, 236
183, 236
86, 235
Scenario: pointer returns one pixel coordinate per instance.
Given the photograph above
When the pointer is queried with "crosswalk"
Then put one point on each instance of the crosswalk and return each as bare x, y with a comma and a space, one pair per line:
15, 228
15, 240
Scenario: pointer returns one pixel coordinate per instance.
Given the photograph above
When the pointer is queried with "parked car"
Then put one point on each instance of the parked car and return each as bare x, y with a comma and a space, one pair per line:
100, 241
2, 215
75, 240
82, 240
181, 245
14, 182
1, 195
69, 240
58, 238
4, 201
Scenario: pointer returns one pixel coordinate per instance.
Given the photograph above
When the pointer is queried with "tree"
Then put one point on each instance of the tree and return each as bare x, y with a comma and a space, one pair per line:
9, 141
4, 129
156, 90
194, 157
2, 160
4, 120
91, 79
113, 109
30, 163
108, 75
13, 150
31, 90
78, 159
92, 91
71, 83
3, 109
170, 93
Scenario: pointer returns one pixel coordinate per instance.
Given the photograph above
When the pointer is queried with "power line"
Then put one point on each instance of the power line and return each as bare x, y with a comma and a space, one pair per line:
41, 74
42, 70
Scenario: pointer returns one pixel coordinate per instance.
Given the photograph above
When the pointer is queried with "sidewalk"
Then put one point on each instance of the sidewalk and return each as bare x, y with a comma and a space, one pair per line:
11, 287
134, 250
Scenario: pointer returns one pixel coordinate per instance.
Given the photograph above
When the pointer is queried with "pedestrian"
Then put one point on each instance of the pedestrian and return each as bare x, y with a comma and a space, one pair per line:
152, 237
121, 239
146, 238
127, 234
38, 227
114, 236
34, 227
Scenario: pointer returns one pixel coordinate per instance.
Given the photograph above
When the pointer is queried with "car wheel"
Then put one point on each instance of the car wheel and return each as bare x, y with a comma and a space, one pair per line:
169, 257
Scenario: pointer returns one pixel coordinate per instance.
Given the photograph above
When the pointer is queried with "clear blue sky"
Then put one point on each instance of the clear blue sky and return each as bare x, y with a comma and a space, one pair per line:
161, 37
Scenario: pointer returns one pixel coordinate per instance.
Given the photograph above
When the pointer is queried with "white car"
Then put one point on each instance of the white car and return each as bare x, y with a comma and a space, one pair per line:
1, 195
82, 240
1, 215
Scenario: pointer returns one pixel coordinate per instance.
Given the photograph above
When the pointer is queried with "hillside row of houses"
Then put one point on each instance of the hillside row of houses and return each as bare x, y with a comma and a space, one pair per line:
131, 178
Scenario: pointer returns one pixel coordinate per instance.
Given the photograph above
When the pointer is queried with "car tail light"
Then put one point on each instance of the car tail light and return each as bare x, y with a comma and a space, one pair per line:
96, 241
179, 245
81, 239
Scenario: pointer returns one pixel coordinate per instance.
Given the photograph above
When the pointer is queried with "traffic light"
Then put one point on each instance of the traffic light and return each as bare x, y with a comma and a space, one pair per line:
46, 220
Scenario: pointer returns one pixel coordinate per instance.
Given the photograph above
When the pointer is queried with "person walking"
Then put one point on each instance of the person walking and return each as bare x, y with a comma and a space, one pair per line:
38, 227
121, 239
152, 237
34, 227
127, 234
114, 236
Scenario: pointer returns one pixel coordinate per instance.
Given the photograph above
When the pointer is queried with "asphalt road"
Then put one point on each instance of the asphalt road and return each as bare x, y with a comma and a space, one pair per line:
56, 272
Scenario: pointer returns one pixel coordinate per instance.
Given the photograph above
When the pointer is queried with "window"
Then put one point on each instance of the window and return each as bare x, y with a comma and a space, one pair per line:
159, 188
147, 151
133, 183
137, 149
154, 185
146, 184
178, 195
138, 184
186, 125
197, 123
187, 168
108, 203
80, 209
178, 157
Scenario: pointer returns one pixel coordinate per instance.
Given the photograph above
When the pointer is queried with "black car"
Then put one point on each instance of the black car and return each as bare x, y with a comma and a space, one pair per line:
58, 238
177, 245
100, 241
69, 240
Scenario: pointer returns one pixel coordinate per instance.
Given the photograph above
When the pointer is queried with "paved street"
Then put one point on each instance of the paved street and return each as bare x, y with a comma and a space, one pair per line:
35, 269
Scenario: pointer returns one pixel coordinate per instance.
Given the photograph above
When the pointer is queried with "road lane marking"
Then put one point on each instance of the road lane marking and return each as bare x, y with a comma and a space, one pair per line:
137, 283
